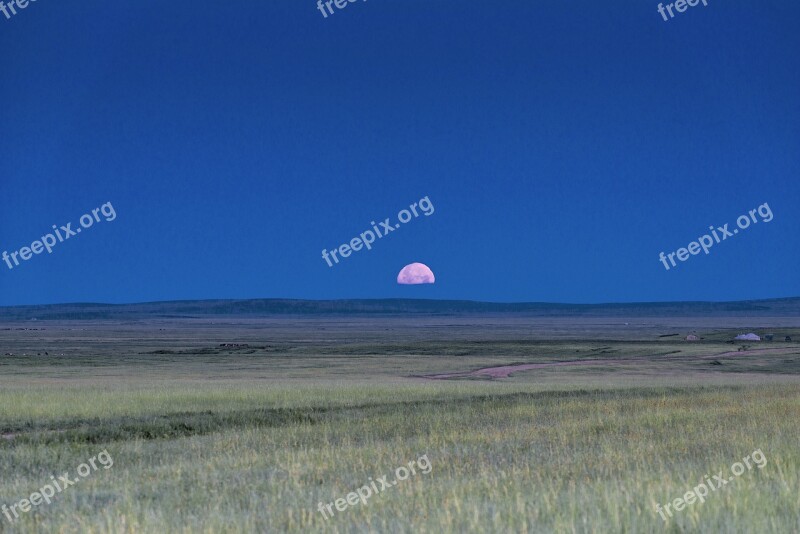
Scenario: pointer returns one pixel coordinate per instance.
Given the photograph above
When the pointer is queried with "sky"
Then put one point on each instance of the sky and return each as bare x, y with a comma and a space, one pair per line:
562, 146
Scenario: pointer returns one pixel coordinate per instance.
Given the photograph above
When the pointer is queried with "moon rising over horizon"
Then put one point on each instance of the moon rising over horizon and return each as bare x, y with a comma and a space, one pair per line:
414, 274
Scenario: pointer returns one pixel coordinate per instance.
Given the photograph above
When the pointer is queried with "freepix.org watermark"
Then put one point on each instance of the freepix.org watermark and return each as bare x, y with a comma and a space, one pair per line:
367, 238
721, 233
50, 490
700, 492
10, 9
680, 6
366, 491
326, 7
48, 241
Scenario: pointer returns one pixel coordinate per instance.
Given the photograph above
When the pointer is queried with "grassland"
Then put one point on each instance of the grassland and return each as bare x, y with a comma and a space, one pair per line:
207, 438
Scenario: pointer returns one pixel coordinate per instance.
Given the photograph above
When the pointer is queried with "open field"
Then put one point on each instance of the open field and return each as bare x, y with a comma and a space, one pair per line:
611, 417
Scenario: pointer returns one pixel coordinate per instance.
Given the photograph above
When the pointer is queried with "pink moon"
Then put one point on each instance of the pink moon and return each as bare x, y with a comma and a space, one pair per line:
415, 273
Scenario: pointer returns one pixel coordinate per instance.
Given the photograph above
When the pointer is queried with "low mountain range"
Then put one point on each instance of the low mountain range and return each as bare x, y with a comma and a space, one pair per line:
783, 307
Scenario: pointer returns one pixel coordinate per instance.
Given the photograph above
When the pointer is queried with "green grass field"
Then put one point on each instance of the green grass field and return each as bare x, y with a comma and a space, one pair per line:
211, 439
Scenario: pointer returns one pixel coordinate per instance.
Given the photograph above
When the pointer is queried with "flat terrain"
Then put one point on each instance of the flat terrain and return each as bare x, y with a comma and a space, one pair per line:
222, 424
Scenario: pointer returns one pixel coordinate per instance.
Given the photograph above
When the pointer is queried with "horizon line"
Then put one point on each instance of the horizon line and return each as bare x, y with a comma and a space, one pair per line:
397, 299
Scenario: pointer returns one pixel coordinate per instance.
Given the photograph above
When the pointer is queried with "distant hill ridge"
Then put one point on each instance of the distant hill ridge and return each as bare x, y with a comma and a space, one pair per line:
788, 307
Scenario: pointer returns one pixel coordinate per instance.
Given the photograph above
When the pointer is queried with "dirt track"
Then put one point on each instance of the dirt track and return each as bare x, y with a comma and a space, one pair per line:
505, 371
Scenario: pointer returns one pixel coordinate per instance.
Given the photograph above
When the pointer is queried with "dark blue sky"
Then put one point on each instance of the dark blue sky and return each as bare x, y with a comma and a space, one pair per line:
563, 145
